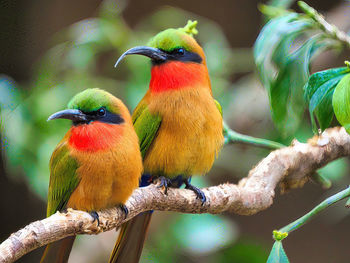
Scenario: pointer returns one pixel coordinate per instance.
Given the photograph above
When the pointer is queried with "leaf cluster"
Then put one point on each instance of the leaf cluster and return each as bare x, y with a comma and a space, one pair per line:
283, 52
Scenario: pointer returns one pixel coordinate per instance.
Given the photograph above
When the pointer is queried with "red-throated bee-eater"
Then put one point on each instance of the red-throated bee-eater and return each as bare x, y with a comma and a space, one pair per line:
178, 122
97, 164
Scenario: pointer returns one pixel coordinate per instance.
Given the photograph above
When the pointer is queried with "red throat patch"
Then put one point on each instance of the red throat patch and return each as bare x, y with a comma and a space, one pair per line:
176, 75
95, 136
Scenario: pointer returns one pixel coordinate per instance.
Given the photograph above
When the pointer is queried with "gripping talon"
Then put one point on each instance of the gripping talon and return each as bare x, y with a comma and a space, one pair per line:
64, 211
125, 210
164, 182
95, 216
199, 193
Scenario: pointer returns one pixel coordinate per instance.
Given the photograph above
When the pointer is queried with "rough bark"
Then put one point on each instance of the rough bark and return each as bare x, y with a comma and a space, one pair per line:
290, 166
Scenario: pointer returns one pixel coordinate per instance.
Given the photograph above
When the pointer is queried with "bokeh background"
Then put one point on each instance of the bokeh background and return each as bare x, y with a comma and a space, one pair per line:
50, 50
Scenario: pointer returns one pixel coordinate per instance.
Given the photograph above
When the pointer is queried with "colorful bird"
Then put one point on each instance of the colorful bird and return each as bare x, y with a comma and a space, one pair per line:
96, 165
178, 122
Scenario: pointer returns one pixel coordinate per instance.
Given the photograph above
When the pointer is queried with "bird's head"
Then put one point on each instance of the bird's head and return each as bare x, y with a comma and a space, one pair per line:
93, 105
171, 45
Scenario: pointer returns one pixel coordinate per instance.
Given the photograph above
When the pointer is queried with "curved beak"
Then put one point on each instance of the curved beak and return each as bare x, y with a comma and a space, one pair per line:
74, 115
154, 53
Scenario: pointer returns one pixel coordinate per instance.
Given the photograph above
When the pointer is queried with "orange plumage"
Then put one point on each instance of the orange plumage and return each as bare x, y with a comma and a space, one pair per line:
188, 141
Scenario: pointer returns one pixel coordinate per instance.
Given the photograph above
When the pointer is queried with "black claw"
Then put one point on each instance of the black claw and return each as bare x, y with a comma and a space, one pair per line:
199, 193
64, 210
164, 182
125, 210
95, 217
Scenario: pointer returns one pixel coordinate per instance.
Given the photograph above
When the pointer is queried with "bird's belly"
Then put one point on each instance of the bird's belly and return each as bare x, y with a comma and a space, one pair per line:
187, 142
105, 180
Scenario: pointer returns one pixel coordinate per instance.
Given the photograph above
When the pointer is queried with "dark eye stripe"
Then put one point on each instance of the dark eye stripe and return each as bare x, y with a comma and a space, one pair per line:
108, 117
177, 55
111, 118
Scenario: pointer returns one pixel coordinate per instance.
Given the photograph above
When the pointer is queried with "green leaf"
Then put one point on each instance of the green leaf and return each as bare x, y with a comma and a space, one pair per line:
318, 91
286, 92
319, 78
267, 41
321, 104
277, 254
283, 72
341, 105
270, 37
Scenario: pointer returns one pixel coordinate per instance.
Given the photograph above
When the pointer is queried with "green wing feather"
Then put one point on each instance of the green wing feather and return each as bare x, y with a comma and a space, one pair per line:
146, 126
63, 181
63, 178
218, 106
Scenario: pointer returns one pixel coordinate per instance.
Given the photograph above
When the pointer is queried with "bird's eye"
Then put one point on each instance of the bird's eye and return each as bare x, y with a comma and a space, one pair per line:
101, 112
180, 51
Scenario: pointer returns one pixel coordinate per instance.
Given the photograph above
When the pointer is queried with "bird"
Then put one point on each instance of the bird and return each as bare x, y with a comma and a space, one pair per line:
178, 122
96, 165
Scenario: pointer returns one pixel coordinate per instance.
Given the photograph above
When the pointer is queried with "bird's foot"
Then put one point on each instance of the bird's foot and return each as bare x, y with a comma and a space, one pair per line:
125, 210
164, 183
64, 210
199, 193
95, 217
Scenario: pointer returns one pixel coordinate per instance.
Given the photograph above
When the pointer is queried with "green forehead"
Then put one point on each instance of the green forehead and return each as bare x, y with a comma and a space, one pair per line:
170, 39
91, 100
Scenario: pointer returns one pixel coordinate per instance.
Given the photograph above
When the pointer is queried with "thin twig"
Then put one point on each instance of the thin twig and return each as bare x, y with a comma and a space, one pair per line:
331, 30
232, 136
315, 211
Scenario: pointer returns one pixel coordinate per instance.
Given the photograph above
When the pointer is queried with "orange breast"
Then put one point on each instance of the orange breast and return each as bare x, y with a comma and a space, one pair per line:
190, 135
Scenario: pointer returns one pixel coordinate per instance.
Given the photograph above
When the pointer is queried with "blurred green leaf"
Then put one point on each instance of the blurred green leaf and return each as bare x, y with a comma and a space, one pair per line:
341, 105
189, 235
284, 71
318, 92
286, 92
204, 233
243, 251
277, 254
280, 3
268, 40
9, 94
9, 100
275, 8
335, 170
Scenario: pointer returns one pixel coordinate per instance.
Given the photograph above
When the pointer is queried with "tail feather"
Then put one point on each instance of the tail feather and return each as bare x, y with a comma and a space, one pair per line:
128, 247
58, 252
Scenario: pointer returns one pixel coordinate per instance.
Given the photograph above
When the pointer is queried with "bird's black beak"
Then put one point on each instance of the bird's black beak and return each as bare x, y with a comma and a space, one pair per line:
155, 54
76, 116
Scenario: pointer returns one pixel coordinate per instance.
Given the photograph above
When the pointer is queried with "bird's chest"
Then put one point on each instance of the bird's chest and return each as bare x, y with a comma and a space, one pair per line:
190, 134
108, 176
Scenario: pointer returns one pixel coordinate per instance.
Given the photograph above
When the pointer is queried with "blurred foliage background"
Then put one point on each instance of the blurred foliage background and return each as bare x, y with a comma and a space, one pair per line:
51, 50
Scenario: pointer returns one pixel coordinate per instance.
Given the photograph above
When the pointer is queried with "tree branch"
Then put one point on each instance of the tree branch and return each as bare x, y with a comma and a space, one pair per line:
289, 166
